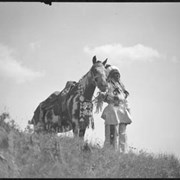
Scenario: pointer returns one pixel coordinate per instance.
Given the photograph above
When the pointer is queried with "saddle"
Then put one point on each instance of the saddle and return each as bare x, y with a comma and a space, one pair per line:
65, 92
50, 101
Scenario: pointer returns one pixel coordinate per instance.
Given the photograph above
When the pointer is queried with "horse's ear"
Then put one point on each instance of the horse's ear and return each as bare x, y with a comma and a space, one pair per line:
94, 60
105, 61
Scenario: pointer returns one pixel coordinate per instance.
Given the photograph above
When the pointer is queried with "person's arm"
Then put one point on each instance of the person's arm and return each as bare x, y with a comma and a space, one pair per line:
124, 89
103, 116
126, 106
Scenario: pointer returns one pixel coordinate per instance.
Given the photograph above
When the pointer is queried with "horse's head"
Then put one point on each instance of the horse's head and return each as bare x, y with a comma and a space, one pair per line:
99, 74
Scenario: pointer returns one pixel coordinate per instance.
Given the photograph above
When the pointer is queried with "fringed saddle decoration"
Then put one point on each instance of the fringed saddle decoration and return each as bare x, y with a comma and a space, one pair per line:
99, 102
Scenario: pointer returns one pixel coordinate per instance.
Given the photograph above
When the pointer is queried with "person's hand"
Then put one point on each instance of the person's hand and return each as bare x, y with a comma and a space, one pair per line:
126, 93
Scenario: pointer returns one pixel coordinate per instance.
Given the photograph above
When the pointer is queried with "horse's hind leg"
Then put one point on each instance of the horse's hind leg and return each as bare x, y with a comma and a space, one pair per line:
74, 116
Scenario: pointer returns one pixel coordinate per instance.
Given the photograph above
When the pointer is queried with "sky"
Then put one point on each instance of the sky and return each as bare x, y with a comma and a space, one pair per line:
42, 47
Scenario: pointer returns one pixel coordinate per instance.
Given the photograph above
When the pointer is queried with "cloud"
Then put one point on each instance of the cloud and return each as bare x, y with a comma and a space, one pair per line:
12, 68
175, 60
34, 45
119, 53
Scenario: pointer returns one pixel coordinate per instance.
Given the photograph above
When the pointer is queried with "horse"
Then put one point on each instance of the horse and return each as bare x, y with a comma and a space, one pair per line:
71, 109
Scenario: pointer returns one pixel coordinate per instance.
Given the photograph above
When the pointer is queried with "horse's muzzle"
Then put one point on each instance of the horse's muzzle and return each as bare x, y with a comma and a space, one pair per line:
103, 87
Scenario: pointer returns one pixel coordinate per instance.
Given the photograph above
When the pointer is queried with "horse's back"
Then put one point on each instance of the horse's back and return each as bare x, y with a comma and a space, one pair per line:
56, 102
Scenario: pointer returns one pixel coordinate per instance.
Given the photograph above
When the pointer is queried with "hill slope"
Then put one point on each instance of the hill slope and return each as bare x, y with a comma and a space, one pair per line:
40, 156
27, 155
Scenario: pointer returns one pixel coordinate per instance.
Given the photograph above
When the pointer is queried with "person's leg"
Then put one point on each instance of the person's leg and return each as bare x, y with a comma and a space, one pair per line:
116, 137
107, 135
112, 128
122, 138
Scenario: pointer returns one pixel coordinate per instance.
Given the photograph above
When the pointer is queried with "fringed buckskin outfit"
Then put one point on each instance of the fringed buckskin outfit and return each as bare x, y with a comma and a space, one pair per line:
116, 116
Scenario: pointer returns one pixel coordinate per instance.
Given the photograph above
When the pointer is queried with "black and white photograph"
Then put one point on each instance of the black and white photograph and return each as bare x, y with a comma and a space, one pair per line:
89, 90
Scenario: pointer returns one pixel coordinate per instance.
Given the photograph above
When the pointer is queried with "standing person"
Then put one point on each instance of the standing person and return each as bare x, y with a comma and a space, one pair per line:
116, 113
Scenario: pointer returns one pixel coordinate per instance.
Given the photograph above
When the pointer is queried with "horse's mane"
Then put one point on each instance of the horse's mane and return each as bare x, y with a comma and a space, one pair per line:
83, 82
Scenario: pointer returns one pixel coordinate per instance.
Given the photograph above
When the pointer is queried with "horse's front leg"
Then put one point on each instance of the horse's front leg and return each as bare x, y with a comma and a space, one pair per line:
75, 127
78, 127
77, 130
82, 132
82, 127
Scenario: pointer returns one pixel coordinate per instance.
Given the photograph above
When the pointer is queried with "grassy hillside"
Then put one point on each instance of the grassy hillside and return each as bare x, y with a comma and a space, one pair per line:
27, 155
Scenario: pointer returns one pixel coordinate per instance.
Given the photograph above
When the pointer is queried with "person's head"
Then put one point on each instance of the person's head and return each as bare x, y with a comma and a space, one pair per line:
113, 72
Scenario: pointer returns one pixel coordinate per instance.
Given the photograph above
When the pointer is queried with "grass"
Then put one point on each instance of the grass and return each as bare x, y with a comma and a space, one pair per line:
27, 155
